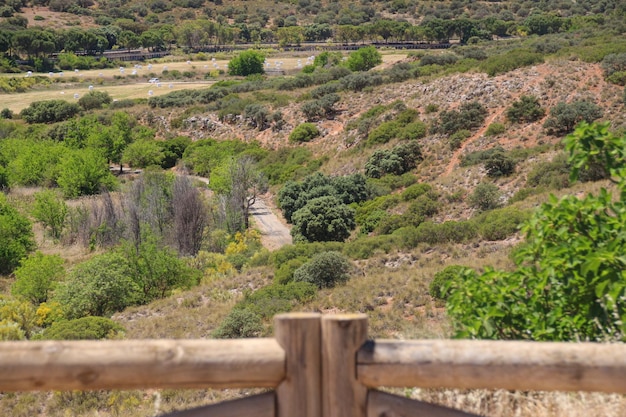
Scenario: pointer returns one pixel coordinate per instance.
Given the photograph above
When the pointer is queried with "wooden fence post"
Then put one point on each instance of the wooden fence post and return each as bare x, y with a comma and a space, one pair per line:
342, 394
299, 394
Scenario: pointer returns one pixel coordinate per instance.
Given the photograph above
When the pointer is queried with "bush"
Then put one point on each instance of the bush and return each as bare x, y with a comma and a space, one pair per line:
439, 287
499, 164
553, 174
456, 139
94, 100
525, 110
358, 81
416, 190
247, 63
495, 129
304, 132
364, 59
6, 114
49, 111
486, 196
499, 224
413, 131
274, 299
85, 328
614, 63
469, 116
239, 323
564, 117
398, 160
323, 219
438, 59
16, 236
325, 270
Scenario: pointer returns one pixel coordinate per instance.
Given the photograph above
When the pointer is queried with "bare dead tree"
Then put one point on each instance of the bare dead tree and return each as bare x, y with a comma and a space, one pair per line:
190, 216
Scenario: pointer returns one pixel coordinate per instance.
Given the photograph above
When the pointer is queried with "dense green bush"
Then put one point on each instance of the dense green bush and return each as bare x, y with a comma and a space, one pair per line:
304, 132
84, 328
36, 277
398, 160
469, 116
16, 236
439, 287
495, 129
94, 100
553, 174
501, 223
364, 59
416, 190
486, 196
457, 138
438, 59
323, 219
276, 298
358, 81
325, 270
499, 164
49, 111
365, 247
247, 63
564, 117
239, 323
525, 110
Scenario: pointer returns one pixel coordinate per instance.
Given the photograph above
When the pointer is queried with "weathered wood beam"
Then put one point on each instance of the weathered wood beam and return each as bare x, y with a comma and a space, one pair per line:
133, 364
510, 365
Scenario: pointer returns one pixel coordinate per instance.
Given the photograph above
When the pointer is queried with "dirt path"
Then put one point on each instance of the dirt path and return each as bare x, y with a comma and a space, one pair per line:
274, 233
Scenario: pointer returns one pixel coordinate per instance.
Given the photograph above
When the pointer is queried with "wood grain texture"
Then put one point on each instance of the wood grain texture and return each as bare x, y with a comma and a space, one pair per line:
381, 404
494, 365
130, 364
300, 392
261, 405
342, 394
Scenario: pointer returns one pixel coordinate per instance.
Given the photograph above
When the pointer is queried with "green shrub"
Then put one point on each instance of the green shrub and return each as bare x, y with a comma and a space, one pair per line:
499, 224
495, 129
247, 63
469, 116
383, 133
323, 219
551, 175
365, 247
239, 323
564, 117
325, 270
16, 236
439, 287
304, 132
457, 138
499, 164
413, 131
94, 100
358, 81
274, 299
525, 110
49, 111
425, 205
416, 190
284, 273
364, 59
85, 328
486, 196
398, 160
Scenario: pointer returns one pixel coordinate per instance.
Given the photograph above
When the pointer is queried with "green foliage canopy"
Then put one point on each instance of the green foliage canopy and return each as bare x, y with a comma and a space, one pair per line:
16, 236
247, 63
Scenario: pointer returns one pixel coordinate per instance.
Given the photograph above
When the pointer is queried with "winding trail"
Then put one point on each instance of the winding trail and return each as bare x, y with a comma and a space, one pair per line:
274, 233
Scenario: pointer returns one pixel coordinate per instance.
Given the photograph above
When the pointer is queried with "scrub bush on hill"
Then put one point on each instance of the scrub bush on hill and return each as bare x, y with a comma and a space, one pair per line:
16, 236
85, 328
525, 110
325, 270
565, 116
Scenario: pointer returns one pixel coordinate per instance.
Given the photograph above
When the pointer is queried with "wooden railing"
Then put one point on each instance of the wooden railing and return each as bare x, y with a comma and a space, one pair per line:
318, 366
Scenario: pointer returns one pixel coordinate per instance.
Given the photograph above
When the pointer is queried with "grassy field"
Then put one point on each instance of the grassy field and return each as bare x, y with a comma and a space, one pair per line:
133, 83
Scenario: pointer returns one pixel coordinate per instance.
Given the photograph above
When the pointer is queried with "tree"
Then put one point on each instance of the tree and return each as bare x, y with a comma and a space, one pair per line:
246, 184
569, 281
100, 286
364, 59
84, 172
247, 63
36, 276
564, 117
190, 216
16, 236
323, 219
143, 153
50, 209
325, 270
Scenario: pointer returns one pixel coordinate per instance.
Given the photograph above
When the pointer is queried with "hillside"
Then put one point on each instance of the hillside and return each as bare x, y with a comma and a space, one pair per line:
129, 187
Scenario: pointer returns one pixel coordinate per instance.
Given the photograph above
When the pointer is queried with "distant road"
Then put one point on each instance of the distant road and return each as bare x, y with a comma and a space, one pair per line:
274, 234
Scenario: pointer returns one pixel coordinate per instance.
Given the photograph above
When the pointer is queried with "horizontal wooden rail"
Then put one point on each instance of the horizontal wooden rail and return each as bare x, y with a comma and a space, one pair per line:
133, 364
493, 364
